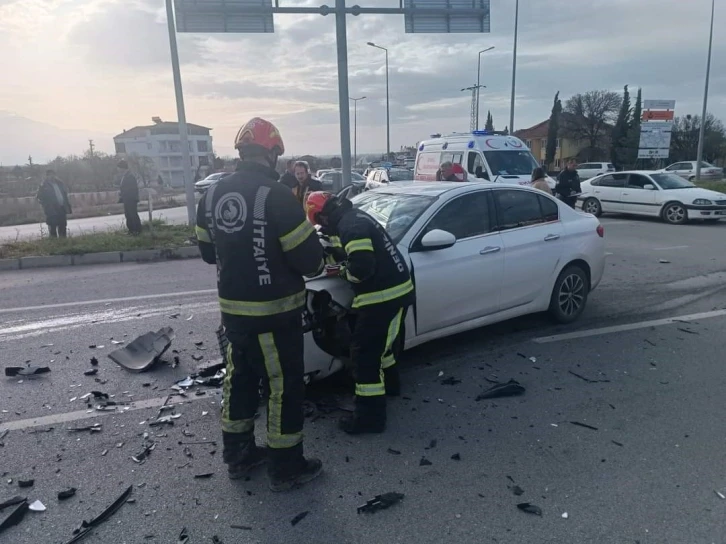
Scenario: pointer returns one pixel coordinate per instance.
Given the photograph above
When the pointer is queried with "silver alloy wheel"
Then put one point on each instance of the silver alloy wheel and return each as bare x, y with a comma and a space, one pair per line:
571, 295
675, 214
592, 206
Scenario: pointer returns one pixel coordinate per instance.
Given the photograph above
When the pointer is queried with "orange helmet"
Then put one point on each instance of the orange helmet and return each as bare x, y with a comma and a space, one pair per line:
261, 133
315, 204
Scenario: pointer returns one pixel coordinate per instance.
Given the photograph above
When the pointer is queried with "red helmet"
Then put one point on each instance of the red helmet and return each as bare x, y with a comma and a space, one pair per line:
261, 133
315, 204
459, 172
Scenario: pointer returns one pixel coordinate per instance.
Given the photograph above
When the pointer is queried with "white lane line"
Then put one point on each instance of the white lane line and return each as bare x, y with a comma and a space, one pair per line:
669, 248
68, 417
607, 253
108, 301
628, 327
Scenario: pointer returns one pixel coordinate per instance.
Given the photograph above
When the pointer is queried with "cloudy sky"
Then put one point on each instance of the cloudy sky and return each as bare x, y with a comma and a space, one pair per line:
78, 69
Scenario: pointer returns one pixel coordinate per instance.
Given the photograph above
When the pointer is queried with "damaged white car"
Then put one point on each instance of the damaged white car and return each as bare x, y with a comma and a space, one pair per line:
479, 253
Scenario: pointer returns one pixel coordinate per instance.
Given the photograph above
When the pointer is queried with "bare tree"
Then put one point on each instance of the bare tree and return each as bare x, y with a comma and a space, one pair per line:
684, 139
590, 117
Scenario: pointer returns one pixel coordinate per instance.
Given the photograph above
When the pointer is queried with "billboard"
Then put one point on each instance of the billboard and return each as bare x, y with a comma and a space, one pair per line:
474, 17
655, 140
214, 16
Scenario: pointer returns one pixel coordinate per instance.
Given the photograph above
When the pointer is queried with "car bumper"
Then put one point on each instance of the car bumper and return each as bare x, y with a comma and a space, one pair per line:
706, 212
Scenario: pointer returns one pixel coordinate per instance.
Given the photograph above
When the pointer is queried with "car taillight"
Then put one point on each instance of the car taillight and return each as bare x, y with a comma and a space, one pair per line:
600, 231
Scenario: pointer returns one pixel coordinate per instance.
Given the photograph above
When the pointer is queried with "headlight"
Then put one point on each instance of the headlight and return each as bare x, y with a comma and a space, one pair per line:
702, 202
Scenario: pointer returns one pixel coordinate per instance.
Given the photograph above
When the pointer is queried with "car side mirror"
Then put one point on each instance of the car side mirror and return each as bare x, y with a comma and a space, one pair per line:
479, 173
437, 239
649, 187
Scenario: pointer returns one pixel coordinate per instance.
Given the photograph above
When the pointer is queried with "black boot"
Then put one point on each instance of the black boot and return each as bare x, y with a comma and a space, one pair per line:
288, 468
369, 416
392, 379
241, 454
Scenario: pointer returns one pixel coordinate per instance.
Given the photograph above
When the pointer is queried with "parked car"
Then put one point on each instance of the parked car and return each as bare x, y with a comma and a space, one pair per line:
656, 194
687, 170
591, 169
202, 185
381, 177
330, 177
480, 253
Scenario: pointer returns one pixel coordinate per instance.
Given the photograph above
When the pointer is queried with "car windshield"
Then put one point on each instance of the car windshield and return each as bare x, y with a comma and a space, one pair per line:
356, 176
671, 181
395, 212
510, 163
705, 164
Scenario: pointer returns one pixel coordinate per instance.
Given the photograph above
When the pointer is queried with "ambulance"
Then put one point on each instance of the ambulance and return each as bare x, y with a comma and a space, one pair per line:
486, 156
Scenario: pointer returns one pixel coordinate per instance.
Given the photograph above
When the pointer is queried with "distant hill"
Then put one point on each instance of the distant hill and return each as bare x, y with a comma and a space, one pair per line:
21, 137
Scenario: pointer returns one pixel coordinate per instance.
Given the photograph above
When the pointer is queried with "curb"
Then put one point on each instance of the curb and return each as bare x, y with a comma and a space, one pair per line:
111, 257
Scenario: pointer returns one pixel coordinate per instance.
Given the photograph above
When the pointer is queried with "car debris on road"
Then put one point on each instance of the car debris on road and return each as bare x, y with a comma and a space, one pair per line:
509, 389
381, 502
141, 353
30, 370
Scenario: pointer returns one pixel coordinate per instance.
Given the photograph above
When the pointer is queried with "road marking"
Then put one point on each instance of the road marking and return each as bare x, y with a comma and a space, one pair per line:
607, 253
108, 301
68, 417
669, 248
628, 327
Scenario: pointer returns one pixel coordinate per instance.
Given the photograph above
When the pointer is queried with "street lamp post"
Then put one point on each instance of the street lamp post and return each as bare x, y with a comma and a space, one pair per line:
478, 83
355, 129
702, 133
388, 111
514, 67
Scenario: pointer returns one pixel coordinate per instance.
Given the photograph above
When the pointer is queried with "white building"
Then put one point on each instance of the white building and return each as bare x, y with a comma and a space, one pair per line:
161, 143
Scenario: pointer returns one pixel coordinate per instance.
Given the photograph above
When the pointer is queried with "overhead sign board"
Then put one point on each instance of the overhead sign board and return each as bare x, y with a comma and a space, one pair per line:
473, 19
655, 140
213, 16
659, 104
657, 115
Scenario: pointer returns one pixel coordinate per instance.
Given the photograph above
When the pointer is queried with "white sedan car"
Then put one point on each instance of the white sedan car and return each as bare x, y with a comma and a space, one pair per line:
687, 170
656, 194
479, 253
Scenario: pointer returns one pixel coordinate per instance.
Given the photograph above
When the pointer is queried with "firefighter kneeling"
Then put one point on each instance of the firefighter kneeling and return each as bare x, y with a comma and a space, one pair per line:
383, 290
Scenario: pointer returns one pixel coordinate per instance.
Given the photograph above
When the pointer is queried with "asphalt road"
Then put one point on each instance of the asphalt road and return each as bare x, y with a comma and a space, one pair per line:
90, 224
648, 472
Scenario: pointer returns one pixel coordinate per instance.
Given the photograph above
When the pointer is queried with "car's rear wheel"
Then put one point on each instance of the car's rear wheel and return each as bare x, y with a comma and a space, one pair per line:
569, 296
592, 205
675, 213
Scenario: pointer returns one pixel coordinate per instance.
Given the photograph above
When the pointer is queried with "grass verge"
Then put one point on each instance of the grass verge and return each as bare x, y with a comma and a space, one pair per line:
164, 236
719, 186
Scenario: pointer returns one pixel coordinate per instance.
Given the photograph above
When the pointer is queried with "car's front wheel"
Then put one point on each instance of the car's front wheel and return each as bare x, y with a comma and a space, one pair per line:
569, 296
675, 213
592, 205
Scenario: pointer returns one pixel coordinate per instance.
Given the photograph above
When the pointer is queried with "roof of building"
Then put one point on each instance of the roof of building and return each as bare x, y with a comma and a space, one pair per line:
541, 130
162, 128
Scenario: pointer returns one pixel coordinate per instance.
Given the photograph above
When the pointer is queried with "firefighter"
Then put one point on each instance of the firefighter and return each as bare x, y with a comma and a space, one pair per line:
383, 290
255, 231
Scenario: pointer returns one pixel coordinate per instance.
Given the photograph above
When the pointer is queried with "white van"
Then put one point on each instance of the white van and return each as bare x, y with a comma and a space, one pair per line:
484, 155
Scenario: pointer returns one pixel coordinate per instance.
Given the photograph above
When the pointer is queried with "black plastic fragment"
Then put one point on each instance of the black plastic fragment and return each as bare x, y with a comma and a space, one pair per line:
94, 361
95, 428
16, 516
91, 372
11, 502
617, 443
381, 502
216, 540
584, 425
432, 444
456, 457
393, 452
183, 536
450, 381
241, 527
66, 494
297, 519
141, 353
510, 389
12, 371
87, 526
26, 483
530, 508
204, 476
518, 491
424, 462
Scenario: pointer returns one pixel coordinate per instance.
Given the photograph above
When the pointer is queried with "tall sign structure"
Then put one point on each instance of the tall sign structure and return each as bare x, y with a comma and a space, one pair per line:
256, 16
656, 128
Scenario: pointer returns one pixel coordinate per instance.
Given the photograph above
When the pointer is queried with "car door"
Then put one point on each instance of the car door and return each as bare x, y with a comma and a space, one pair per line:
608, 190
685, 170
461, 282
636, 198
532, 234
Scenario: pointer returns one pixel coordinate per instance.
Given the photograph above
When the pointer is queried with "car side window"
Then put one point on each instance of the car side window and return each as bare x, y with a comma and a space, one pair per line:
636, 181
613, 180
686, 166
464, 217
674, 167
550, 210
585, 166
517, 209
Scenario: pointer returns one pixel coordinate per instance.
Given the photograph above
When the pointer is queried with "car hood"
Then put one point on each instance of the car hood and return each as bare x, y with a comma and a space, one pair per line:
689, 195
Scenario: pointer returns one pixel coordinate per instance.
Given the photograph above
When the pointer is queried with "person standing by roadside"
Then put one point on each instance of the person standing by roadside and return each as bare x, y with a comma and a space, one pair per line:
305, 183
53, 196
288, 178
568, 184
539, 180
130, 198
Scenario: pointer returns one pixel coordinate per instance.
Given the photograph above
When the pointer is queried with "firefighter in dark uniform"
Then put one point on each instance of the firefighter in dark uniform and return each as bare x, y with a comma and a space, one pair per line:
255, 231
568, 184
383, 290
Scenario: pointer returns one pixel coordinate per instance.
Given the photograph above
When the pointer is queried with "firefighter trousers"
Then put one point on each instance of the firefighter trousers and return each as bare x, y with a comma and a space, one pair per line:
371, 351
275, 358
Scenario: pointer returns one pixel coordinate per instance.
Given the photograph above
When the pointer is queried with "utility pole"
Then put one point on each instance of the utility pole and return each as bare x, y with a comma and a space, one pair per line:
478, 81
473, 114
702, 132
91, 148
514, 67
355, 129
388, 110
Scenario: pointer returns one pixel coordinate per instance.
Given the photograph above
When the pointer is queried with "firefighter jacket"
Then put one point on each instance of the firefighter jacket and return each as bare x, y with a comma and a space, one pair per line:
375, 268
256, 232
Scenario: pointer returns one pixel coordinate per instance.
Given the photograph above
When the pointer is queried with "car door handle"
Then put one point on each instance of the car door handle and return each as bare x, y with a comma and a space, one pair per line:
624, 194
489, 249
551, 237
